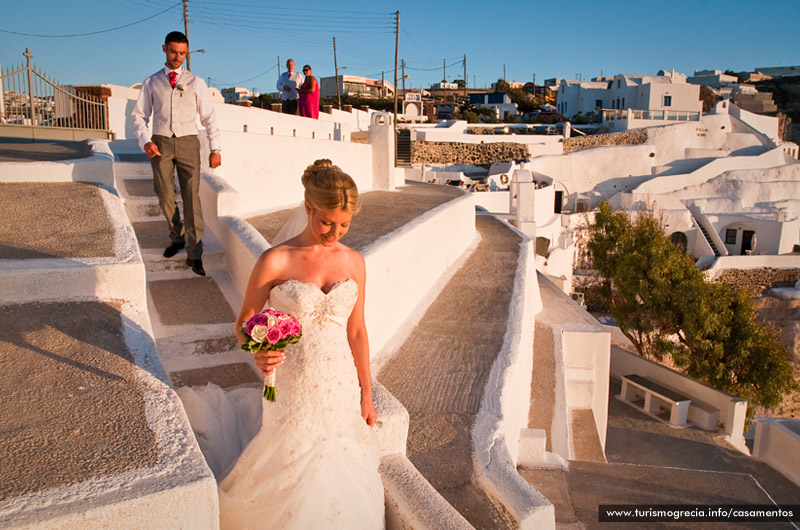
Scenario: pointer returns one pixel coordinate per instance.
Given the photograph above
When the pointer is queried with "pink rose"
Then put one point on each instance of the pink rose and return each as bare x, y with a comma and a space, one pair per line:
285, 327
295, 327
273, 335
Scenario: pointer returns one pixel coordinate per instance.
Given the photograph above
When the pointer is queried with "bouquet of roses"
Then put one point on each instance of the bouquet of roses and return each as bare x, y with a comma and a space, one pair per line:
270, 330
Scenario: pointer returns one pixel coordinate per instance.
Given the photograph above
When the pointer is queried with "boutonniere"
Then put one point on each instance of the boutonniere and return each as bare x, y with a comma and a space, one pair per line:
180, 88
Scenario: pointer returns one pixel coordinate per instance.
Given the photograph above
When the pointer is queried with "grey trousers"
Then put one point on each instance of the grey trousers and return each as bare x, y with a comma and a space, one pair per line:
181, 153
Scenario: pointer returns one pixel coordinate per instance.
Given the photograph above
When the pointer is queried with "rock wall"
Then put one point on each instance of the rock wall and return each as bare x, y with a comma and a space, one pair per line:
462, 153
632, 137
756, 281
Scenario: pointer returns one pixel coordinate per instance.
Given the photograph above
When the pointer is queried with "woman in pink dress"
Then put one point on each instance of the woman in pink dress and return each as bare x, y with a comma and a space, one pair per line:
309, 95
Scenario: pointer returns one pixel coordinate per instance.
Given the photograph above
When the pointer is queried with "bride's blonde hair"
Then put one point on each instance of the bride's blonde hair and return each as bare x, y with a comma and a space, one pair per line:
329, 188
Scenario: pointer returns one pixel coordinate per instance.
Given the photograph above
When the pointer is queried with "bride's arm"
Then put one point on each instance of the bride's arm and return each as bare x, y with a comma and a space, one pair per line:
359, 343
264, 274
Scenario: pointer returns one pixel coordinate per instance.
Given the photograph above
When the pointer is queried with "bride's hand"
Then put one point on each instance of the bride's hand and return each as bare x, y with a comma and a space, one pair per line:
368, 412
267, 361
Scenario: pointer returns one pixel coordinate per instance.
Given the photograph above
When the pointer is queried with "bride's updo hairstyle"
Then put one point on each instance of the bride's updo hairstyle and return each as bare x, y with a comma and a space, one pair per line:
329, 188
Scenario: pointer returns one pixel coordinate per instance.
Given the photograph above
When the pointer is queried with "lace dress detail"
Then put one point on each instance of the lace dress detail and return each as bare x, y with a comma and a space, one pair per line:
314, 462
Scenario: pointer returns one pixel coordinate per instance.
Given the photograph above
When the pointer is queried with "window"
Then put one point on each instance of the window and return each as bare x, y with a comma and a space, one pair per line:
667, 101
598, 104
623, 103
619, 83
730, 236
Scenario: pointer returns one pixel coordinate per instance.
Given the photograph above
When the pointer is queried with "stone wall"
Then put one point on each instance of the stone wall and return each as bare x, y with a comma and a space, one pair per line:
756, 281
632, 137
462, 153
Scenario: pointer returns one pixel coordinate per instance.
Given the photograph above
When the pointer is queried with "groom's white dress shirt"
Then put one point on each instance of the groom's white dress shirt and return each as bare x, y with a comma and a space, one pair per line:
174, 110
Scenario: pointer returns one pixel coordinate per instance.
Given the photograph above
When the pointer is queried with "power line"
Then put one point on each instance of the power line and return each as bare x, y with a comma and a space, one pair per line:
303, 12
433, 69
247, 80
93, 32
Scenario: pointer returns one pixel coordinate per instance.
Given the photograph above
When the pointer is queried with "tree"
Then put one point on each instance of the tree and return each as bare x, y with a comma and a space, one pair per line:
263, 101
666, 307
708, 97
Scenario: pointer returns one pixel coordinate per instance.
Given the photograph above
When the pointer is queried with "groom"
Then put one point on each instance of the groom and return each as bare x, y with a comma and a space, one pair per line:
175, 98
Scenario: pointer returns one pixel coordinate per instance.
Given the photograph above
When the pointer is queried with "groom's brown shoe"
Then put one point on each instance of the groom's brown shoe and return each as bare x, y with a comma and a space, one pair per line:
197, 266
173, 248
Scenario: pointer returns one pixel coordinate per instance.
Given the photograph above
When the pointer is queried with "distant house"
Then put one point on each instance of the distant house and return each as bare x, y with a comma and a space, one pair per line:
780, 71
713, 79
511, 84
500, 102
353, 85
444, 86
666, 92
237, 95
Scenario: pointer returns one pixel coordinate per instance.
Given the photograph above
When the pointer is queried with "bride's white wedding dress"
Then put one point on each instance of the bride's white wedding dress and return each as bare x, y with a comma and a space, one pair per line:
314, 461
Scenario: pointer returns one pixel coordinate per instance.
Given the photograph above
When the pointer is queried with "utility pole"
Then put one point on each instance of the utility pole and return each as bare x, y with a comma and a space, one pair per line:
403, 63
383, 95
465, 78
186, 31
396, 54
444, 79
504, 72
336, 69
279, 65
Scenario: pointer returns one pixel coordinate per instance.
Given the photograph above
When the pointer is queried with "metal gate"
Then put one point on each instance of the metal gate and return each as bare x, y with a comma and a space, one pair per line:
403, 148
30, 98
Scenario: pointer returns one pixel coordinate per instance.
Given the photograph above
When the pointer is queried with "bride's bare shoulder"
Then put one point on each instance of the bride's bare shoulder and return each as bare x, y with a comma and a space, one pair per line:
274, 258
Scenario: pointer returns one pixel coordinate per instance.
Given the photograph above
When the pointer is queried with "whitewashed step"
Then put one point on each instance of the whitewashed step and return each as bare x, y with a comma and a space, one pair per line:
155, 262
136, 169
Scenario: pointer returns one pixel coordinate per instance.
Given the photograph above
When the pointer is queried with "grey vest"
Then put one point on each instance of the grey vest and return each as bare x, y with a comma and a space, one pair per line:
174, 110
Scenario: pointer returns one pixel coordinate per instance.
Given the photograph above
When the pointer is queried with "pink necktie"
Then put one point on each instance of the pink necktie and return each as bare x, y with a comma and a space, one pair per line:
173, 79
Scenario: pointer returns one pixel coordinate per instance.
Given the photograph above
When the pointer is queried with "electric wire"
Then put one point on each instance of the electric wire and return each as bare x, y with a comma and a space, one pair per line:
92, 32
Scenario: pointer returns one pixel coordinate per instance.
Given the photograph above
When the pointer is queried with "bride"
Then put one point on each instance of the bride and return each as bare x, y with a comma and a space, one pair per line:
314, 461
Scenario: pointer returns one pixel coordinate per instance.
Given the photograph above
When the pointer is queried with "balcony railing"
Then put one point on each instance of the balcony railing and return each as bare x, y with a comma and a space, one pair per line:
636, 114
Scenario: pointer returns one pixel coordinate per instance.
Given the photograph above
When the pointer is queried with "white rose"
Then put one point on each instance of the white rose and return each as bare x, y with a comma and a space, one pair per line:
259, 333
272, 321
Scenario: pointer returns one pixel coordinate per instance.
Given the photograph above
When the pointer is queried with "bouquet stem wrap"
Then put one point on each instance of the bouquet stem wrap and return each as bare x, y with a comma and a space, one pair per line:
269, 387
270, 330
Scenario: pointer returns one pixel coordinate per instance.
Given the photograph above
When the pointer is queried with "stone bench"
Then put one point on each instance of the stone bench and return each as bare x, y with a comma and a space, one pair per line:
655, 400
703, 415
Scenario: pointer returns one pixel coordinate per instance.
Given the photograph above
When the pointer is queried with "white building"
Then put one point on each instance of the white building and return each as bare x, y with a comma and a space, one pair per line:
236, 95
500, 102
353, 85
713, 79
666, 92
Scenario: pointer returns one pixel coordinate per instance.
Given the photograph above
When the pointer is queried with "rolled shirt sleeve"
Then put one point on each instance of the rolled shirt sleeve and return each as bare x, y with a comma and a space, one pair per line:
141, 114
206, 110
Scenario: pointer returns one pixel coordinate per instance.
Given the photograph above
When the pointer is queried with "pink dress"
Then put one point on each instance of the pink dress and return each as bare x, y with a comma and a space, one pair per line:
309, 101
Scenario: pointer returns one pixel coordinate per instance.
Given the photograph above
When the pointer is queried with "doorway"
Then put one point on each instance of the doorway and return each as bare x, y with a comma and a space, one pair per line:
748, 241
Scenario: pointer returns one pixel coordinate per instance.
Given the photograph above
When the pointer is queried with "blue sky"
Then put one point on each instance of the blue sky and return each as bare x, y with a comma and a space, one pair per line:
244, 38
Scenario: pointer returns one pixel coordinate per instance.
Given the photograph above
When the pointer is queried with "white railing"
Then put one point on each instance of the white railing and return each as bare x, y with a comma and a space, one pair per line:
30, 98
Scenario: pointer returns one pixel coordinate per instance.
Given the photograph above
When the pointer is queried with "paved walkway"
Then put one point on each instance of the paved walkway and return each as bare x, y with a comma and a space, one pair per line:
440, 372
381, 212
652, 463
73, 407
24, 150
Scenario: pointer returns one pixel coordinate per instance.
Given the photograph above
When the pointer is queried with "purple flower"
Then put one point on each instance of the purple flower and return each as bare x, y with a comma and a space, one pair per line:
259, 319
